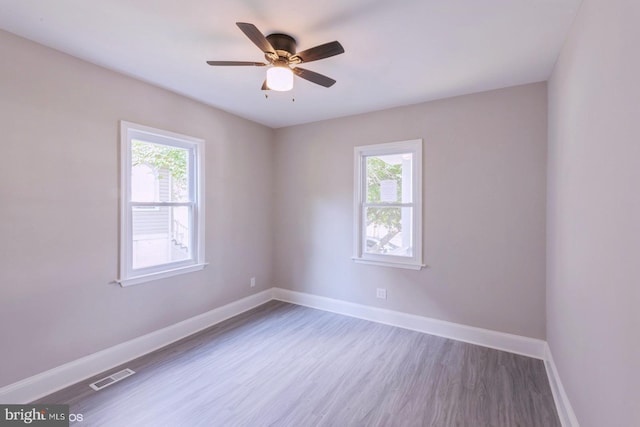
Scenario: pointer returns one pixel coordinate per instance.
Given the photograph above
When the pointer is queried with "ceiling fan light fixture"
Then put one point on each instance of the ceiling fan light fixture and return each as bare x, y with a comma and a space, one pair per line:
280, 78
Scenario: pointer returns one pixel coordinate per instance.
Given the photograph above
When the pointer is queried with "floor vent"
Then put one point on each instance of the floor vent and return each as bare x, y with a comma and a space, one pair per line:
111, 379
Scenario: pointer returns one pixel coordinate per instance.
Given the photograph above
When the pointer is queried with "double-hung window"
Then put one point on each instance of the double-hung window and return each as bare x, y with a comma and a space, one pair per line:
162, 204
388, 204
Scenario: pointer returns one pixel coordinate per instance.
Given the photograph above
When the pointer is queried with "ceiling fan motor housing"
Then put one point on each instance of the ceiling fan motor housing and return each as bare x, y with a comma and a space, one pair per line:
283, 44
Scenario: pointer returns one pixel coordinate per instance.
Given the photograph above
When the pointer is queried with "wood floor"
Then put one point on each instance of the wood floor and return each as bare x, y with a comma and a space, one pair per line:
286, 365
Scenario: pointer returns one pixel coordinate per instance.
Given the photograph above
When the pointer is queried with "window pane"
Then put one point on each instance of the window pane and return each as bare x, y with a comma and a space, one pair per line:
389, 231
161, 236
389, 178
159, 173
144, 186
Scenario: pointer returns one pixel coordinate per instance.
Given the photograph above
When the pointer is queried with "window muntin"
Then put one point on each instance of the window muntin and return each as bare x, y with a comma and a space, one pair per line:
162, 209
388, 218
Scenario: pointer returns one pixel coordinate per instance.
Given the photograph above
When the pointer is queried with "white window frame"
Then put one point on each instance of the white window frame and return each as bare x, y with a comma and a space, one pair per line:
195, 146
360, 194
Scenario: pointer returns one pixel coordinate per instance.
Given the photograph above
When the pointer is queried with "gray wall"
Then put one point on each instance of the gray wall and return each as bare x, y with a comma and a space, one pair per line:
484, 209
593, 283
59, 121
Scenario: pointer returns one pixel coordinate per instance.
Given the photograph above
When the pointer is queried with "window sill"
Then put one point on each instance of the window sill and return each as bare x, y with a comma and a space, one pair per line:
406, 266
136, 280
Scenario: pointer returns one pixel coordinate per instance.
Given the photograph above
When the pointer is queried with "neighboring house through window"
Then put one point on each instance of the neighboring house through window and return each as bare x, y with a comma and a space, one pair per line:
388, 204
162, 204
144, 183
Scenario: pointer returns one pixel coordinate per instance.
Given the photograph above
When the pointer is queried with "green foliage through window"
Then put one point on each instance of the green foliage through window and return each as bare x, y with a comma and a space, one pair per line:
377, 171
163, 158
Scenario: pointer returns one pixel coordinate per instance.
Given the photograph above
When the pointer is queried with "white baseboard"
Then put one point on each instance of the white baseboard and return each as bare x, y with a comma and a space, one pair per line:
565, 410
47, 382
499, 340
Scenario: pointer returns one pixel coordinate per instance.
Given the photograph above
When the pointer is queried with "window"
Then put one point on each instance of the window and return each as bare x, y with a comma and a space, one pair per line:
162, 204
388, 204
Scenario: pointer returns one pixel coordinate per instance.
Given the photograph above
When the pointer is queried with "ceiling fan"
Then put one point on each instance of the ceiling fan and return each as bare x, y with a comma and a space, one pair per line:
280, 52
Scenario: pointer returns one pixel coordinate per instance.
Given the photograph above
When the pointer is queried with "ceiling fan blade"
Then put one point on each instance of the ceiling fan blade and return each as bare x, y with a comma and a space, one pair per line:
264, 86
227, 63
256, 37
320, 52
314, 77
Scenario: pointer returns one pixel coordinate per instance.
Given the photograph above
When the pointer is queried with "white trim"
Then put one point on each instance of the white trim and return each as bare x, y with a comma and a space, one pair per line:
47, 382
199, 207
414, 147
563, 406
160, 275
389, 264
517, 344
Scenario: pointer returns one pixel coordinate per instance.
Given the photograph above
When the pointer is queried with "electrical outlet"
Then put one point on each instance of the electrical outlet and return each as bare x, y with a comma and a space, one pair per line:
253, 282
381, 293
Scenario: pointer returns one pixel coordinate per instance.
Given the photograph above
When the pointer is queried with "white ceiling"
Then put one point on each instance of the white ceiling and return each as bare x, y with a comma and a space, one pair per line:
397, 52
